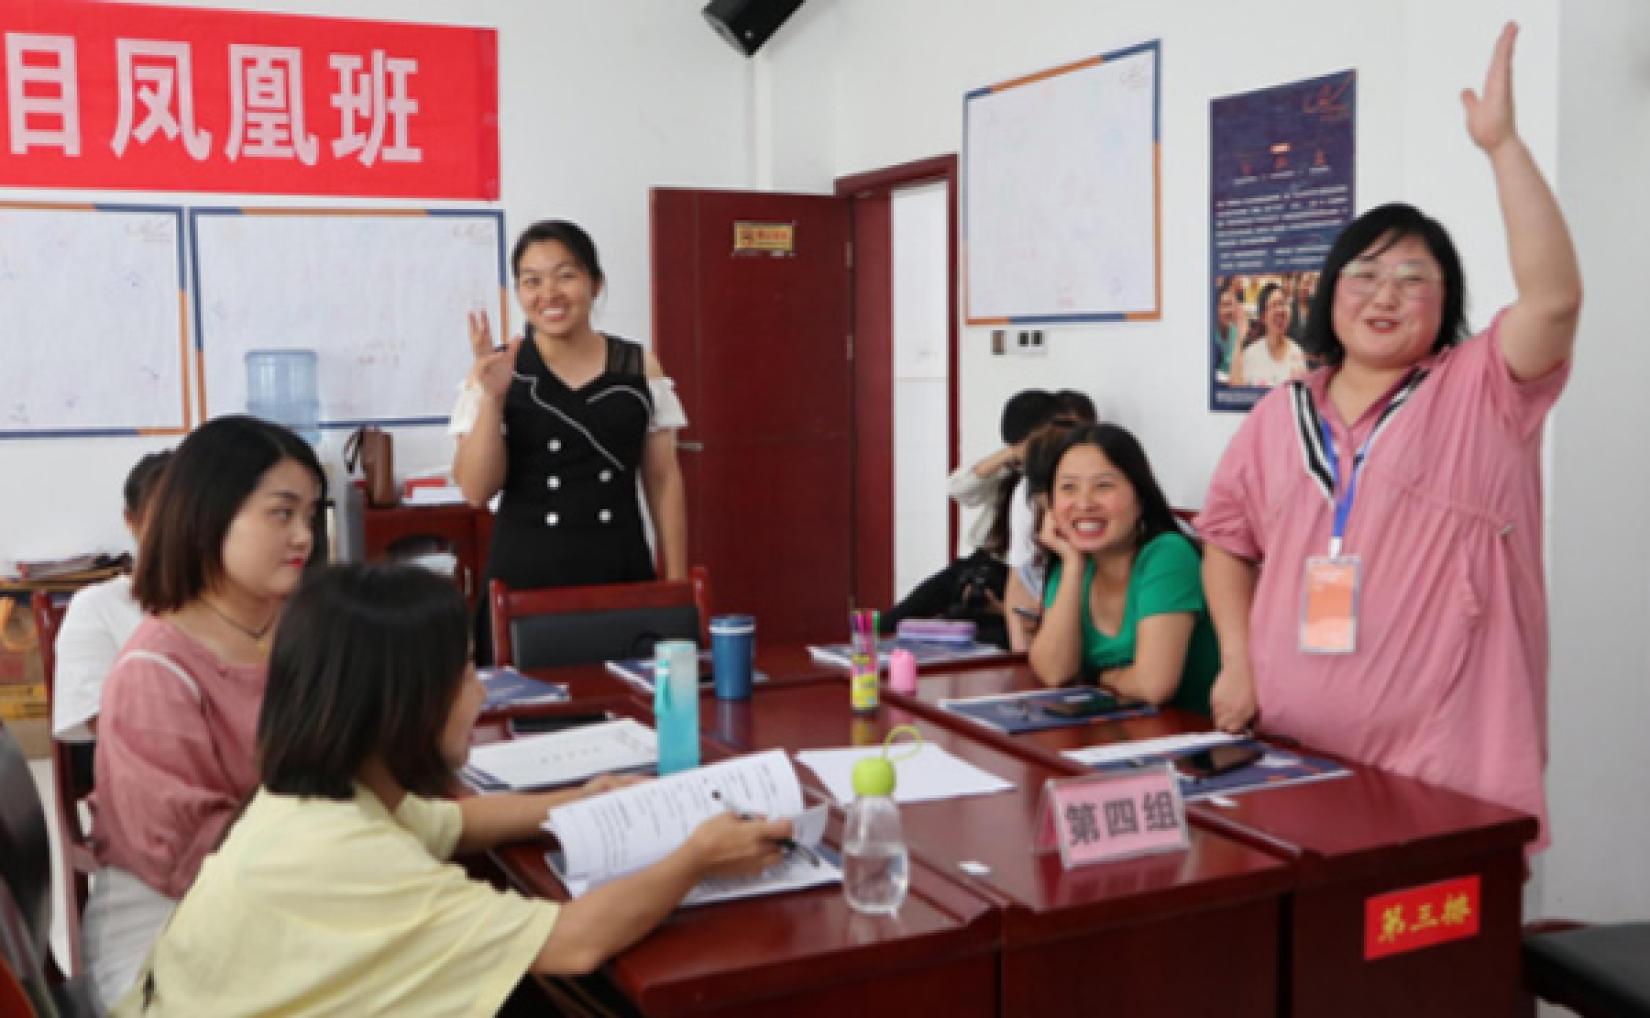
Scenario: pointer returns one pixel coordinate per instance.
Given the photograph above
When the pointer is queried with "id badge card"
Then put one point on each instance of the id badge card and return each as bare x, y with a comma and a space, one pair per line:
1329, 605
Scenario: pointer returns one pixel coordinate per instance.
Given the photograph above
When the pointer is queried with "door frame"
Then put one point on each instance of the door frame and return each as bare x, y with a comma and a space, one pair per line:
873, 530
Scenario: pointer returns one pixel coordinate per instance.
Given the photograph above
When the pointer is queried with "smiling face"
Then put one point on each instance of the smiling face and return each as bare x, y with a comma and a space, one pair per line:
555, 291
1094, 504
271, 537
1389, 304
1226, 308
1276, 313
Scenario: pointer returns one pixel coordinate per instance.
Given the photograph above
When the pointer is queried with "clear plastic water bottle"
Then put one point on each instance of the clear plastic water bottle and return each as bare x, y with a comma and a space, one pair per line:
281, 387
876, 869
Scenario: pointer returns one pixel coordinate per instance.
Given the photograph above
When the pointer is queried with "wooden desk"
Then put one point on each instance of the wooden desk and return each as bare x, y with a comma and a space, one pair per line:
1195, 932
800, 954
1347, 840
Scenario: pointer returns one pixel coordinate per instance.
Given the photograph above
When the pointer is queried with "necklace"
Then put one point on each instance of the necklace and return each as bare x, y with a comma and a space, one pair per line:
256, 635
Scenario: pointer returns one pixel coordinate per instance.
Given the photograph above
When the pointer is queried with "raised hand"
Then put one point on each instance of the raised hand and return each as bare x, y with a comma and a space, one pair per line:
1490, 119
493, 367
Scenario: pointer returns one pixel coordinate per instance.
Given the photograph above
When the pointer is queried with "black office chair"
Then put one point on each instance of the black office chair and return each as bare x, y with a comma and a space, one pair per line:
554, 626
26, 904
1596, 971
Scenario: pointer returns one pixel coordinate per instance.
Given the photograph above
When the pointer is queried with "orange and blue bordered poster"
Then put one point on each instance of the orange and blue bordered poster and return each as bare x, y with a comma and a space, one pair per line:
1104, 817
1418, 917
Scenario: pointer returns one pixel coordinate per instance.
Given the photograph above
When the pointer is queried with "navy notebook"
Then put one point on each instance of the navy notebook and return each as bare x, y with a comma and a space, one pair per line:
1028, 712
1277, 768
507, 687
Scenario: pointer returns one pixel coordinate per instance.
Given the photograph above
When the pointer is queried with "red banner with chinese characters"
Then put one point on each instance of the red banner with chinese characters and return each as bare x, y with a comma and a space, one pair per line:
1418, 917
120, 96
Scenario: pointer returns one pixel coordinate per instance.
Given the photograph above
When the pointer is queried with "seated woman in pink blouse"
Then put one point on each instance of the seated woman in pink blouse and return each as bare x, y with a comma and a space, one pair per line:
1400, 487
228, 535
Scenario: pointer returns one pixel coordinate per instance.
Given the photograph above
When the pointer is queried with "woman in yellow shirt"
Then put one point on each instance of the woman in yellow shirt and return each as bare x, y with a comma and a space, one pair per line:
332, 894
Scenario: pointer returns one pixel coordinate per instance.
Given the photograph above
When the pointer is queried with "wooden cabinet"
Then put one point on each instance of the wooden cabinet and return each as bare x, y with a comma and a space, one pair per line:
462, 530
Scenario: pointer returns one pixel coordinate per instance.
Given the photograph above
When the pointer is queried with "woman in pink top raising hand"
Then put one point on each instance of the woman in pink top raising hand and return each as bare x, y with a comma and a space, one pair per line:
1373, 559
229, 532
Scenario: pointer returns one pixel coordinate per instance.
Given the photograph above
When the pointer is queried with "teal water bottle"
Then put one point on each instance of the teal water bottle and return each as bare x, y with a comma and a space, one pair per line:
676, 704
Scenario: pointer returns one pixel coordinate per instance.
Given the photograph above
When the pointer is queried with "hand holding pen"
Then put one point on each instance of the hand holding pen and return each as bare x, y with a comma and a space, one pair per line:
786, 843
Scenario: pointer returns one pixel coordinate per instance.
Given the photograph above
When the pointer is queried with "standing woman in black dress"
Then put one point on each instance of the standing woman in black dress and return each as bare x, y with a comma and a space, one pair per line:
562, 422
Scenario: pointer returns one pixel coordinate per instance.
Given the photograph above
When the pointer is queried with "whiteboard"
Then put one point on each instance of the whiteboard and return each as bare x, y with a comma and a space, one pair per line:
1061, 193
380, 296
92, 323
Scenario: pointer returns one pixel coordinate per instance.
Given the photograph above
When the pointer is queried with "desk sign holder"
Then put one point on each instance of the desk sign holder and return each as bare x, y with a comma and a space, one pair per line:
1106, 817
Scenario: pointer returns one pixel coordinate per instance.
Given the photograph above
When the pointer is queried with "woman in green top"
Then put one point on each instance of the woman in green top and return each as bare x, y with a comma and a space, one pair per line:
1137, 620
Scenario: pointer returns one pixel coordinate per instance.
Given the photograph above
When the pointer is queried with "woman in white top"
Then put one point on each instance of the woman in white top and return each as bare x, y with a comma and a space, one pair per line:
98, 623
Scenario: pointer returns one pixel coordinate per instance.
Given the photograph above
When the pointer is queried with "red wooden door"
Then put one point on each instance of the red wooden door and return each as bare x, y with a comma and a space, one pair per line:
758, 345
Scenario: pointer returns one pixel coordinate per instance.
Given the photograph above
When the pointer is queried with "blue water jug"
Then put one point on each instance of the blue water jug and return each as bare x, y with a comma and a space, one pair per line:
281, 387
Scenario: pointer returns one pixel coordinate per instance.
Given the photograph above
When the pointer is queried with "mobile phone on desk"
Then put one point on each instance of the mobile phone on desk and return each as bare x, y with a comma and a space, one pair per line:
538, 724
1217, 760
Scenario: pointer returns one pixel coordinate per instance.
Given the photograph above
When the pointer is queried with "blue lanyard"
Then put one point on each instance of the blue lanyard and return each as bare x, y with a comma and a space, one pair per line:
1343, 504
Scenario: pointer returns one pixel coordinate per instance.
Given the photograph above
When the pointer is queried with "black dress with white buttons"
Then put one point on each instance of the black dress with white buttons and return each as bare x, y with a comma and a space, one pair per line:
570, 513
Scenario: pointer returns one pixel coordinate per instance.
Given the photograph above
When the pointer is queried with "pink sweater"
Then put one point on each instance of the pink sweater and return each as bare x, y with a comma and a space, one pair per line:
176, 755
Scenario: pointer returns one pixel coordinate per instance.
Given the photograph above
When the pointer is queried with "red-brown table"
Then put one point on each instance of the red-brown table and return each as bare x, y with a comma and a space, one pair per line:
1347, 839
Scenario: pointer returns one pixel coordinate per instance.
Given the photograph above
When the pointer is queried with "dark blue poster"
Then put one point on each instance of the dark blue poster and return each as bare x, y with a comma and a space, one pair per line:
1280, 189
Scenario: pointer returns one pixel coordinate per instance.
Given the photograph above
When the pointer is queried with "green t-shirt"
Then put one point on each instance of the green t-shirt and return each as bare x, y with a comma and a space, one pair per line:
1167, 577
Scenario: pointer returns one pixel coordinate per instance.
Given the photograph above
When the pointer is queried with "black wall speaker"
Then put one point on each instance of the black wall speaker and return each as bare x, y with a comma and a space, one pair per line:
747, 24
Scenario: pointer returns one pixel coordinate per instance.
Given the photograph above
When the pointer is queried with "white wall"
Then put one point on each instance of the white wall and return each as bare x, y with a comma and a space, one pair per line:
598, 101
1598, 549
903, 68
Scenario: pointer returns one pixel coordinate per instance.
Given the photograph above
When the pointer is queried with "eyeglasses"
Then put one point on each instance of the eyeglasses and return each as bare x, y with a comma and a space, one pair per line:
1362, 279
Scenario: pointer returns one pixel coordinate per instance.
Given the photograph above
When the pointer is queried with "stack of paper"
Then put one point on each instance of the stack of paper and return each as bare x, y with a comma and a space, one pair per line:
930, 774
608, 836
562, 758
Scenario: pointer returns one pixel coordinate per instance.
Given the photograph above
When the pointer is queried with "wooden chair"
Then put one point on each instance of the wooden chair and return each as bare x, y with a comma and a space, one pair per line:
71, 784
551, 626
1601, 971
26, 892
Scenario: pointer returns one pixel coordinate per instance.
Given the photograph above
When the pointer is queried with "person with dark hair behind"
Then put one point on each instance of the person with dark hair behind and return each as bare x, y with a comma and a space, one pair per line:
228, 534
563, 422
332, 893
1401, 486
99, 620
990, 480
971, 587
1124, 601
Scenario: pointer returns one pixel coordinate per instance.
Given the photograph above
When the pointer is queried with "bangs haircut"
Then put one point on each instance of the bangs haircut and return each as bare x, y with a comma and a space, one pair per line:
1126, 454
567, 234
202, 489
1386, 225
368, 659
